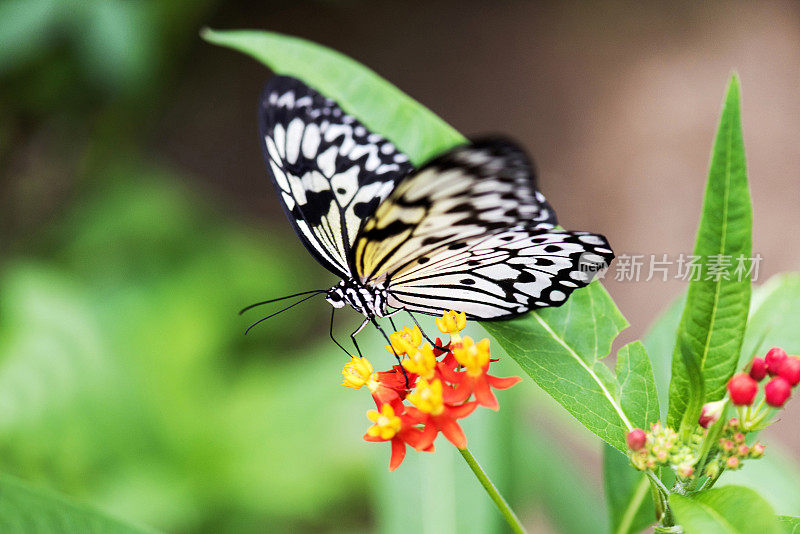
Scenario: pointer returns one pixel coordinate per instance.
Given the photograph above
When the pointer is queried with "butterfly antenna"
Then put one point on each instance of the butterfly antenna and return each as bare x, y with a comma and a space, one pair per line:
281, 298
280, 311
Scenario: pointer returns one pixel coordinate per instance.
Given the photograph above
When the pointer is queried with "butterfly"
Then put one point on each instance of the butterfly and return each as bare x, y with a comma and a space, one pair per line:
466, 231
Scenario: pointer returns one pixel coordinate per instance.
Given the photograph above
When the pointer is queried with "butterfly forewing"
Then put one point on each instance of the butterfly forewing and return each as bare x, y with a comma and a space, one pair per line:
330, 172
467, 192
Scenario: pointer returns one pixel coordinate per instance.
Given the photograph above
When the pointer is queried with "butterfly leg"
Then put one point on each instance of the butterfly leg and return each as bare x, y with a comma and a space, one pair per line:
424, 334
333, 311
399, 361
353, 337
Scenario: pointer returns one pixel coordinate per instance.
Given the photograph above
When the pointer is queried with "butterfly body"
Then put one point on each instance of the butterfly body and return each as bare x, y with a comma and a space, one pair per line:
368, 300
466, 231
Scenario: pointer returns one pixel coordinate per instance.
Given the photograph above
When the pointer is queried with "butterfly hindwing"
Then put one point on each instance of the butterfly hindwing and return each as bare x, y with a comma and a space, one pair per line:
469, 231
330, 172
500, 274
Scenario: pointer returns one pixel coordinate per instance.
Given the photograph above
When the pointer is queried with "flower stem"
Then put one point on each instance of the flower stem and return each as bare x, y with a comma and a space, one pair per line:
491, 489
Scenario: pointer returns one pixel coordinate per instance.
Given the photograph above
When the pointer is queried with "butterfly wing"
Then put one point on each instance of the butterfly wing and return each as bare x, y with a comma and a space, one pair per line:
469, 231
501, 273
466, 192
330, 172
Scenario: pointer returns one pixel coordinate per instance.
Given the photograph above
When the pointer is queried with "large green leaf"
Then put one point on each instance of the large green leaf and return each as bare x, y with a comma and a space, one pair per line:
713, 322
728, 510
381, 106
559, 348
562, 348
26, 510
774, 316
628, 494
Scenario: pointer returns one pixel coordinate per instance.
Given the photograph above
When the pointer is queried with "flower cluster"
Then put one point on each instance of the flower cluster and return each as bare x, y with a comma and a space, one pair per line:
710, 448
662, 447
430, 390
785, 373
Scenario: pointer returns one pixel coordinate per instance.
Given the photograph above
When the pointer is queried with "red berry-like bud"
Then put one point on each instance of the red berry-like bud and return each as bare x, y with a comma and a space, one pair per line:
758, 369
636, 439
774, 359
777, 391
742, 389
732, 462
710, 413
790, 370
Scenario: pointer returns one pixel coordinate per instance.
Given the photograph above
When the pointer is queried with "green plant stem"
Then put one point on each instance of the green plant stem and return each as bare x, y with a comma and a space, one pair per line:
509, 515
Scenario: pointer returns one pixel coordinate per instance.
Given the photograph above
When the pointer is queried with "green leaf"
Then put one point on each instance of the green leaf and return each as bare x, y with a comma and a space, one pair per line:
628, 493
660, 342
774, 316
728, 510
713, 322
26, 510
561, 348
381, 106
774, 477
638, 395
790, 525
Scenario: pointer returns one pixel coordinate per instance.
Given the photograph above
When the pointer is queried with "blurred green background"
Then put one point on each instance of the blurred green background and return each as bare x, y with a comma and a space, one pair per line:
136, 220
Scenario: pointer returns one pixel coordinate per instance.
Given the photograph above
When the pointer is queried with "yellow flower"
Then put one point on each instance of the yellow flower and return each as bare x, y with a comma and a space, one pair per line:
406, 341
473, 356
387, 424
359, 372
427, 397
423, 363
452, 323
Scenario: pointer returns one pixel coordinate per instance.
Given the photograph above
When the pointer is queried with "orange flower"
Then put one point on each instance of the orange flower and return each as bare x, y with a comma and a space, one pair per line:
475, 358
406, 341
391, 424
431, 410
385, 386
452, 323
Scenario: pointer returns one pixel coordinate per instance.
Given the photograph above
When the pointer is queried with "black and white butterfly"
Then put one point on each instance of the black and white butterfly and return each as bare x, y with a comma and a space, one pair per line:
466, 231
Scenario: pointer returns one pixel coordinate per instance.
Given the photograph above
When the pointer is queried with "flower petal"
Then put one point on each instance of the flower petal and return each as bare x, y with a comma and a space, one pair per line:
398, 454
483, 393
458, 412
502, 383
451, 431
458, 394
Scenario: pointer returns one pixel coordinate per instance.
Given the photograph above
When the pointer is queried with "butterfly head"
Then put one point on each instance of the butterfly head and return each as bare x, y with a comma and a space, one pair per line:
336, 296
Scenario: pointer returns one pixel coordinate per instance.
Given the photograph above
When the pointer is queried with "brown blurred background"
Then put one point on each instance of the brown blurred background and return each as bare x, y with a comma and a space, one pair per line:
617, 102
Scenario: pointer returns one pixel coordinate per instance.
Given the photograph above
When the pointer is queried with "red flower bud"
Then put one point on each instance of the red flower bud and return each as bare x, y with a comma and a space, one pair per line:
758, 369
790, 370
636, 439
732, 462
777, 391
710, 413
742, 389
775, 358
